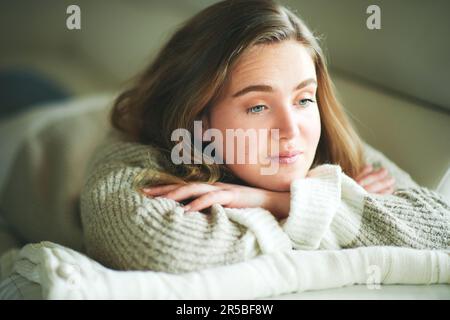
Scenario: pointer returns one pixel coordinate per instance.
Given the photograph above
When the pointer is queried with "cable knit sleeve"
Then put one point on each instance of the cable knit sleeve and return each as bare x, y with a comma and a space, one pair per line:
126, 230
329, 210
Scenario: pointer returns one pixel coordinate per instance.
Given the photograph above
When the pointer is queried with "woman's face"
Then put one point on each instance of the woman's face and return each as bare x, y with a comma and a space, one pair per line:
285, 83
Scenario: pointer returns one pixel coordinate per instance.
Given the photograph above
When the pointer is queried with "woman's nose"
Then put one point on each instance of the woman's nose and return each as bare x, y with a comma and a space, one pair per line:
287, 123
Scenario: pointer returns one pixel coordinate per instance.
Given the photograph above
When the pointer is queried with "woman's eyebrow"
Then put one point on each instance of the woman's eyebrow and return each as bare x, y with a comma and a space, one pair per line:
266, 88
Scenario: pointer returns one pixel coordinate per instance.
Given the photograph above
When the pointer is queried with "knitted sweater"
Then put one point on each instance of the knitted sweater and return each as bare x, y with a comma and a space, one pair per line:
126, 230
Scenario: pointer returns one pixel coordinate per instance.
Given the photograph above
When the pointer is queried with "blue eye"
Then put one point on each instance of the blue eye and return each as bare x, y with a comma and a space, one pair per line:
305, 102
256, 109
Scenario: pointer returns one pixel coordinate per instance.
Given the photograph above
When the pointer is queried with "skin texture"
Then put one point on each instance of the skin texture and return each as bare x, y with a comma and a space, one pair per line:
294, 112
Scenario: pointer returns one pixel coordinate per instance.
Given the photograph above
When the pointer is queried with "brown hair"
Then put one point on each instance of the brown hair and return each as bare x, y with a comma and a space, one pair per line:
191, 71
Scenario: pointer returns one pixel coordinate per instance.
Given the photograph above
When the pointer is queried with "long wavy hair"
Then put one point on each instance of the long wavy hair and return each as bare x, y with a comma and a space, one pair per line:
189, 75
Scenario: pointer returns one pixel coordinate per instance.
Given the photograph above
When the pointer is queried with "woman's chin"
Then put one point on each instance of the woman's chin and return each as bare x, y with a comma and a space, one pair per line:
280, 181
279, 184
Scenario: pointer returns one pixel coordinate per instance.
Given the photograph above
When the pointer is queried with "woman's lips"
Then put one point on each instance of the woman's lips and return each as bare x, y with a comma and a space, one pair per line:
287, 158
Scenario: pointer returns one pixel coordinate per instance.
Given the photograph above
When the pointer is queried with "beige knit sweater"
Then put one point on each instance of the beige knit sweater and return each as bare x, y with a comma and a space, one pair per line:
126, 230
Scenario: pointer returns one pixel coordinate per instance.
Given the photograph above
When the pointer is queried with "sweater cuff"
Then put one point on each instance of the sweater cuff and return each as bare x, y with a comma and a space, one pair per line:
314, 202
346, 225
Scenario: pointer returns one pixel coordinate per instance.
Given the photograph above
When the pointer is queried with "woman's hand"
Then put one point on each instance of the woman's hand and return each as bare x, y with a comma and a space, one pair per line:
228, 195
376, 181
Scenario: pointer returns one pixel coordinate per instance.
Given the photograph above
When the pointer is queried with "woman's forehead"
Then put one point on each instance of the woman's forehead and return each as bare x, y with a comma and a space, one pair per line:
264, 64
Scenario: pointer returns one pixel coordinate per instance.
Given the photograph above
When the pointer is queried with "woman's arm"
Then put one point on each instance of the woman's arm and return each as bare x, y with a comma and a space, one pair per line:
329, 210
124, 229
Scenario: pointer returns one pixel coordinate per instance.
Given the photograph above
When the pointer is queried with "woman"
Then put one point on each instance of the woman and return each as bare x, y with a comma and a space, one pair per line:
243, 65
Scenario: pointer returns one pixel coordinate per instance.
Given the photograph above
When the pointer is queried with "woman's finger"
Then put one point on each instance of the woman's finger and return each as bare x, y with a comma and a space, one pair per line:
221, 184
158, 190
190, 190
378, 186
222, 197
388, 190
373, 177
366, 170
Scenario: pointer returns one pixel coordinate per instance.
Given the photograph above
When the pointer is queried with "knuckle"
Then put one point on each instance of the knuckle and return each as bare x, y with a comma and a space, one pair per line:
210, 196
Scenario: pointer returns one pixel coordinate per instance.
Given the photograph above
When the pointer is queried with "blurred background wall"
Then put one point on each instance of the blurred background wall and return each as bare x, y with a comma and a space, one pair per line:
393, 82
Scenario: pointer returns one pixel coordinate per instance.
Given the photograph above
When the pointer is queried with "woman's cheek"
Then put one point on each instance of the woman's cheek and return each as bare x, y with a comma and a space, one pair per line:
315, 135
310, 134
314, 128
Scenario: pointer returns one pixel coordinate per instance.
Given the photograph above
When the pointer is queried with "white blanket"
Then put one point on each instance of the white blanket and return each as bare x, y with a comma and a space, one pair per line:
64, 273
